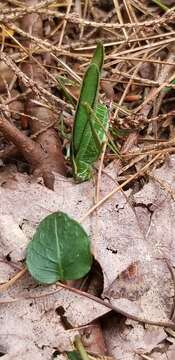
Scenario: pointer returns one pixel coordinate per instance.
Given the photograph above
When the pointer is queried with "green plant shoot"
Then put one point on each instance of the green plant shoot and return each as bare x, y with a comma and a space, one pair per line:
88, 133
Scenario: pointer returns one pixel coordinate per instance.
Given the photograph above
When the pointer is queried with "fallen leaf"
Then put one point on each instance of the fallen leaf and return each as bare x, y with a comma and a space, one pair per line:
129, 243
13, 240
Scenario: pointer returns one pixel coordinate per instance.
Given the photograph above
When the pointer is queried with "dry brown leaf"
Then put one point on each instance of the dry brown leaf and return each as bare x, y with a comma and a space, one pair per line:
127, 241
164, 355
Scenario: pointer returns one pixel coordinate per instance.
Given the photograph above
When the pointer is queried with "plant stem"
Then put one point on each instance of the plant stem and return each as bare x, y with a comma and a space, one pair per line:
79, 346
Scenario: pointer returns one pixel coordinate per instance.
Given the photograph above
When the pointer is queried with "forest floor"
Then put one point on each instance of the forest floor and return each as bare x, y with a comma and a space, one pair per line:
127, 207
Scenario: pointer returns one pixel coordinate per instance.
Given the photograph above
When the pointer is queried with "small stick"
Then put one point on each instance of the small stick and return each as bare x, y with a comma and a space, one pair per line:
116, 309
9, 283
118, 188
169, 324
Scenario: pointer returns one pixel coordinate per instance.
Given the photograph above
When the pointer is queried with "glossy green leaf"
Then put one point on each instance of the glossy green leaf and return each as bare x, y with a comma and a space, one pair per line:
59, 250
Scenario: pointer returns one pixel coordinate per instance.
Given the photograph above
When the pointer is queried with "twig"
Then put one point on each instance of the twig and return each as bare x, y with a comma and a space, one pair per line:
45, 45
135, 58
168, 17
10, 14
162, 79
65, 22
118, 188
17, 13
116, 309
168, 324
140, 49
28, 82
128, 86
120, 42
119, 15
106, 19
16, 277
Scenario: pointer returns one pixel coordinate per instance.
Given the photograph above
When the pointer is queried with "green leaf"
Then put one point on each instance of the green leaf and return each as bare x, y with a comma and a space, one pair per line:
59, 250
73, 355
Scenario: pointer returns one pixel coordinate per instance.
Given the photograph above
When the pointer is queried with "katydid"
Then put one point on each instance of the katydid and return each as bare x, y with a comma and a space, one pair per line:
88, 135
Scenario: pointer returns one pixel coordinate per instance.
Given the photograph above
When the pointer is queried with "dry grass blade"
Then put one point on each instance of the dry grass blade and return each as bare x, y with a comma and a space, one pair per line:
119, 15
65, 22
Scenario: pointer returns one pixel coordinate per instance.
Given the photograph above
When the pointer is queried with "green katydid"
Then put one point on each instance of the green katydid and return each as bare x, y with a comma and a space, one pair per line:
88, 133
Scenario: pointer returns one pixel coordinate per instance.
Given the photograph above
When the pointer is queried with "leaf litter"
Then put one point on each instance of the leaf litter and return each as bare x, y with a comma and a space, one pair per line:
131, 256
132, 233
